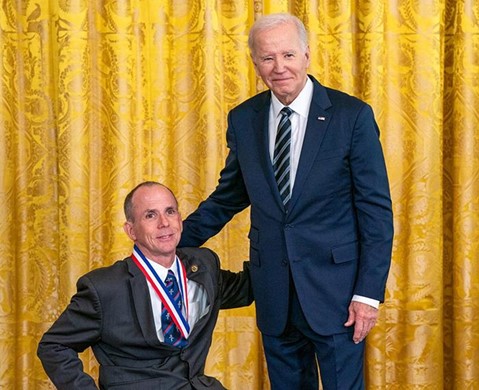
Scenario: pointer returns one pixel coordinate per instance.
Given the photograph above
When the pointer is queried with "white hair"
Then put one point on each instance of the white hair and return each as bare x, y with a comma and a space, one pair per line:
268, 22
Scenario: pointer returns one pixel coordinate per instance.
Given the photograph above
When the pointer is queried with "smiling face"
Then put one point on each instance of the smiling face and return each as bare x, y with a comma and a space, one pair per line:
155, 224
281, 61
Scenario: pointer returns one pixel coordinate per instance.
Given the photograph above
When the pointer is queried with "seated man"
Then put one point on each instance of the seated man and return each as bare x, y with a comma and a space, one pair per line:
149, 318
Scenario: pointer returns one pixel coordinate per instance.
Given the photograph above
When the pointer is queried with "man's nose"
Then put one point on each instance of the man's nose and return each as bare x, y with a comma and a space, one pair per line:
279, 65
163, 221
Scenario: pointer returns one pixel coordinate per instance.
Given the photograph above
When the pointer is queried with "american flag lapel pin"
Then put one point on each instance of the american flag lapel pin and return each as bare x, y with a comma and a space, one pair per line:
321, 118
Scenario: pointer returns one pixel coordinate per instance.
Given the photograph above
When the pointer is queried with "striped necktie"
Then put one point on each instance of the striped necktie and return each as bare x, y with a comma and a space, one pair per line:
281, 156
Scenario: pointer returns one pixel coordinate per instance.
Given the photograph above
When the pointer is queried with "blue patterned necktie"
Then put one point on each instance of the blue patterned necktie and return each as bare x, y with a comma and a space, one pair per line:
281, 156
171, 332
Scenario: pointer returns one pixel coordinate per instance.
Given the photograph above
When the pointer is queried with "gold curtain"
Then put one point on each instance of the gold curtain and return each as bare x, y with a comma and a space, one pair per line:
97, 96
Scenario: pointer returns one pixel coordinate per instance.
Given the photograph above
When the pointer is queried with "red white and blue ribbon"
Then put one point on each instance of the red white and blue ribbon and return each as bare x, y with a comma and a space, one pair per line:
159, 286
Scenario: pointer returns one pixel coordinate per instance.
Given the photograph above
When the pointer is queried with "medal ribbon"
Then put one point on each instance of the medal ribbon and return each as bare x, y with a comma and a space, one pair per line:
159, 286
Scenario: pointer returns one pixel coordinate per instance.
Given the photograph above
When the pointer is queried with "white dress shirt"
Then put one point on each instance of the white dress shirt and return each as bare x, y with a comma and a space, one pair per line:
299, 120
197, 299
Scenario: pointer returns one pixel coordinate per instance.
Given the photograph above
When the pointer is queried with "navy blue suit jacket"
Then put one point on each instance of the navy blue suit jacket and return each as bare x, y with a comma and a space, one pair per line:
336, 237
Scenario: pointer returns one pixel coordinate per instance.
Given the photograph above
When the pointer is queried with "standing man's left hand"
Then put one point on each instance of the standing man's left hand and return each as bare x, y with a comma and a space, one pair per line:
363, 317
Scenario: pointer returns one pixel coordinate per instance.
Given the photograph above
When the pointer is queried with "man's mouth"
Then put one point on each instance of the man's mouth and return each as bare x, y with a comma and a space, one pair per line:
282, 80
165, 236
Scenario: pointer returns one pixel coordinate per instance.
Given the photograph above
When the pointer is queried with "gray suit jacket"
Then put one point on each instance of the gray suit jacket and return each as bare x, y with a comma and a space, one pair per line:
111, 313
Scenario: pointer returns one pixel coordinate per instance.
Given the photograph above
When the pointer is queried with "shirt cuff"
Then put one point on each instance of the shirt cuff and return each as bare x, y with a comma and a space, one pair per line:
368, 301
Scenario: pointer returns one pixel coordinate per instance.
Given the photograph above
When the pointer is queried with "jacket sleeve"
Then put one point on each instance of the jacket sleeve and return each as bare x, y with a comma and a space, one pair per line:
236, 288
229, 198
77, 328
373, 206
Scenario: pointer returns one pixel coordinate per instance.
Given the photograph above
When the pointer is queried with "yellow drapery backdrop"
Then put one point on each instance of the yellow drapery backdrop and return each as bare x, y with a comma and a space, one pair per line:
97, 96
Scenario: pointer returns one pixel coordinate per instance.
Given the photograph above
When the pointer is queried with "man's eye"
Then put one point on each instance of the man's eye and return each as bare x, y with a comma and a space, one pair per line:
171, 211
150, 215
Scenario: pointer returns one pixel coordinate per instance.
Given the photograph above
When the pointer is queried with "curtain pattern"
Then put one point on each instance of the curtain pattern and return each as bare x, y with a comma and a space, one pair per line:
97, 96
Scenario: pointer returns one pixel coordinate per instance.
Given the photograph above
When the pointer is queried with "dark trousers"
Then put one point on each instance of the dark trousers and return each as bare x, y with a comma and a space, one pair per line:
293, 357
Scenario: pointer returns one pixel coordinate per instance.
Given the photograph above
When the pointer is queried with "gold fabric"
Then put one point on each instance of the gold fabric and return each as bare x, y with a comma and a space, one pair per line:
97, 96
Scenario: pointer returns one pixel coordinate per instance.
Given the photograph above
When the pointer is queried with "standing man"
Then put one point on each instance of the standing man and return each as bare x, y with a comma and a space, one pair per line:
150, 317
309, 162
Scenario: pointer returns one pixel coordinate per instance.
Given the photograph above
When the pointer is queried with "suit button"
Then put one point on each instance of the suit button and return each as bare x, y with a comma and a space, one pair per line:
284, 263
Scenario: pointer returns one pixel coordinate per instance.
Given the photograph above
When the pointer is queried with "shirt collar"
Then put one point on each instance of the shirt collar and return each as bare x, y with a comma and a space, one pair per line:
163, 271
300, 105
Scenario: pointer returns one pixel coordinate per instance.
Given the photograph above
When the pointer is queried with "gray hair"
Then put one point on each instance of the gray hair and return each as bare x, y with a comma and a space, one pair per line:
268, 22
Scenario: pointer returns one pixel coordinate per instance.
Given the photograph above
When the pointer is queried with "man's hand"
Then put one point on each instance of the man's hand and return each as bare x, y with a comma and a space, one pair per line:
363, 317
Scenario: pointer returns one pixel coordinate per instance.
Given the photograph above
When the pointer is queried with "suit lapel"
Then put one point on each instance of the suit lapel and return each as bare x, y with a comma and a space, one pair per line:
142, 304
260, 124
318, 122
196, 273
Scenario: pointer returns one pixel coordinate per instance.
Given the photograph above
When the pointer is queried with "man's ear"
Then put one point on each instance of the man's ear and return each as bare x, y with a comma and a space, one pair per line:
128, 228
308, 55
